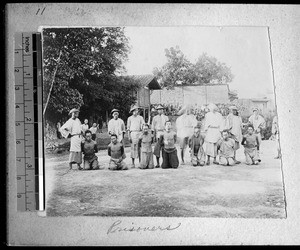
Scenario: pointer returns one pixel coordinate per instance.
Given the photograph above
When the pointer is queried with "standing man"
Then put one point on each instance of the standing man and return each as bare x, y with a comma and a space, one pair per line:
116, 126
158, 127
213, 128
134, 127
72, 128
234, 125
185, 124
258, 123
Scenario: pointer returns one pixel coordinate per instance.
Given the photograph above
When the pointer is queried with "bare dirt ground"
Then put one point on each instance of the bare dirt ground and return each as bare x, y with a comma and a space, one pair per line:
240, 191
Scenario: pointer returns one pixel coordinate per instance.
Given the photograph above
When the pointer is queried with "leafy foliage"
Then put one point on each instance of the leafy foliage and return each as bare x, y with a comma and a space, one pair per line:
180, 71
86, 72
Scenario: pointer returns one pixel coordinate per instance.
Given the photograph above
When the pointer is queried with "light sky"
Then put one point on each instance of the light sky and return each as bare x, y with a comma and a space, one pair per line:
244, 49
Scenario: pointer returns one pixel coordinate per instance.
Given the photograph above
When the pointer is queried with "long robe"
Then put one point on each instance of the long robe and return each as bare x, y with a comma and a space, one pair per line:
214, 123
74, 129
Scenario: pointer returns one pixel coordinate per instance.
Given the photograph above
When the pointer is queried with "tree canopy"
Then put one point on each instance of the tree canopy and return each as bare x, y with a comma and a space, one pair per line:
86, 76
180, 71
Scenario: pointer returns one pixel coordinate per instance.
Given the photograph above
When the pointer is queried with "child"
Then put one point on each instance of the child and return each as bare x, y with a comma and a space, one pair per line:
116, 152
251, 144
226, 149
195, 143
85, 125
89, 148
93, 129
169, 151
145, 141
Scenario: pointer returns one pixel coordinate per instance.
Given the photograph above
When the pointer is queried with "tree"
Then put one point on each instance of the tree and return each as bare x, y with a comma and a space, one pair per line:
176, 71
208, 70
90, 59
180, 71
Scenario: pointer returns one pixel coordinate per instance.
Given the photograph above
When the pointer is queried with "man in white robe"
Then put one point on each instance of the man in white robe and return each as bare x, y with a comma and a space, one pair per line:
72, 128
214, 124
116, 125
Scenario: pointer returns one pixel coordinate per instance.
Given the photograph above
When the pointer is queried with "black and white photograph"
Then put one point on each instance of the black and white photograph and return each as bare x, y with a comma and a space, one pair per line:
177, 121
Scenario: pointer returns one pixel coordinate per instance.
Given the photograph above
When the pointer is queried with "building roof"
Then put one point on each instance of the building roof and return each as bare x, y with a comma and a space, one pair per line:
149, 81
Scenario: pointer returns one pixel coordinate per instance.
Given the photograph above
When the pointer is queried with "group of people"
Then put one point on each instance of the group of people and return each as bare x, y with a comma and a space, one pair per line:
214, 137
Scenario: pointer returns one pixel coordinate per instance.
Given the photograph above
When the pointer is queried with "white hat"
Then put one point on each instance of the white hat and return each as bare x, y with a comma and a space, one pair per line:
73, 110
134, 107
114, 110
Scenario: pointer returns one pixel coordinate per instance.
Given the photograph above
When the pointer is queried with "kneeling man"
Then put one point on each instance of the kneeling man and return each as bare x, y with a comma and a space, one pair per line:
89, 148
196, 147
116, 153
226, 149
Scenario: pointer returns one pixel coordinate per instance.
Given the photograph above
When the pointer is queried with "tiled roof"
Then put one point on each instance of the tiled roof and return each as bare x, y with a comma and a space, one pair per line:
147, 80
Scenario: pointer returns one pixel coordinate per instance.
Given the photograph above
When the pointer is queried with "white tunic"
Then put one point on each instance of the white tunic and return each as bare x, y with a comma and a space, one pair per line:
257, 122
185, 125
214, 124
84, 127
74, 128
116, 127
158, 124
134, 125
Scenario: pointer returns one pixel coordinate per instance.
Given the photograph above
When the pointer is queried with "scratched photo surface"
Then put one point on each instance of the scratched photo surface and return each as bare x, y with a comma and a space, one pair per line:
219, 154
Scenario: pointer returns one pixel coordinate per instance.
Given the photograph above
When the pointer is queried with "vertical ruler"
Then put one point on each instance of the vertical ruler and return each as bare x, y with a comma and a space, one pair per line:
28, 122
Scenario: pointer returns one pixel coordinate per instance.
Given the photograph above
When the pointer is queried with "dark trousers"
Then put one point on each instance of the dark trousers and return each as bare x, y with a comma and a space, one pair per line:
170, 160
93, 137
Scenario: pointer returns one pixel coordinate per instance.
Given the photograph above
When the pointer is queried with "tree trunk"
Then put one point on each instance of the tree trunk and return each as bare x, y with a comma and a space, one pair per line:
48, 98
